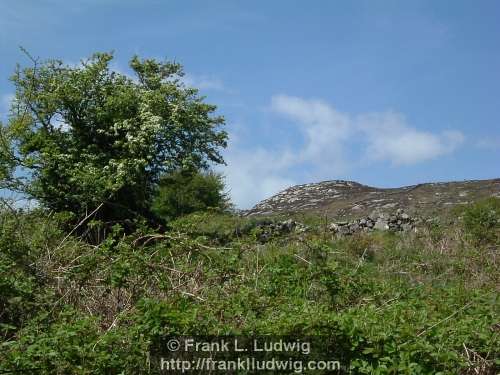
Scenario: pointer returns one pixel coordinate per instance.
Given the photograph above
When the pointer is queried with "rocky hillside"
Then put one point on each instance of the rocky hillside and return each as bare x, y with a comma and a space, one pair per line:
346, 199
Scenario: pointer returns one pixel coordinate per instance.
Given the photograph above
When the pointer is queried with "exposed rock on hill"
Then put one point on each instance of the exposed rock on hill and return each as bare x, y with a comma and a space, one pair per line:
349, 200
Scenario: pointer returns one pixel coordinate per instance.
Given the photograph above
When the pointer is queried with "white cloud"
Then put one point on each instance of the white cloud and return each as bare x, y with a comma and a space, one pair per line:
323, 128
328, 136
259, 173
315, 114
387, 134
252, 176
390, 138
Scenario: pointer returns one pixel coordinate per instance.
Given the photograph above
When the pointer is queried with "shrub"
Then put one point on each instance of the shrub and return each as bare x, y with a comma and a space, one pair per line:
22, 283
184, 192
482, 221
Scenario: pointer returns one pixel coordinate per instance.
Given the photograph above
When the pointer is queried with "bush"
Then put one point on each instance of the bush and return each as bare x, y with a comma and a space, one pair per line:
482, 221
22, 284
184, 192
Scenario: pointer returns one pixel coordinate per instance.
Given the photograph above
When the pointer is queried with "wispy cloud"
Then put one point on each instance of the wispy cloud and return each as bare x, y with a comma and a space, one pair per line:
323, 127
328, 137
386, 136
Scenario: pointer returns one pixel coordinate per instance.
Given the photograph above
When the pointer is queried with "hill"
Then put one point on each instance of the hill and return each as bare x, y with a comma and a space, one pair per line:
339, 199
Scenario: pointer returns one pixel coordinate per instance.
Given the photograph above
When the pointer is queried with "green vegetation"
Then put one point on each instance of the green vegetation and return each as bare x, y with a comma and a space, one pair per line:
482, 221
84, 292
392, 304
83, 136
184, 192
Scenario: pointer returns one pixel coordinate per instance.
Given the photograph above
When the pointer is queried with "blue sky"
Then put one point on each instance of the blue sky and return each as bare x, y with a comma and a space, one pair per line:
386, 93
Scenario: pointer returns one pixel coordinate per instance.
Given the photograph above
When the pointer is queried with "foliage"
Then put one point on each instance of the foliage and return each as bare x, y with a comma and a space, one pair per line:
79, 136
22, 282
388, 303
183, 192
482, 221
84, 137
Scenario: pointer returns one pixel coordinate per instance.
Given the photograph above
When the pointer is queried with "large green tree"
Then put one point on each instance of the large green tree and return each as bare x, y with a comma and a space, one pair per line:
80, 137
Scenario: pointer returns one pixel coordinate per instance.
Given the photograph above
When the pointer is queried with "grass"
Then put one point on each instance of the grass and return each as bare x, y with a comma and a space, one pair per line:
419, 303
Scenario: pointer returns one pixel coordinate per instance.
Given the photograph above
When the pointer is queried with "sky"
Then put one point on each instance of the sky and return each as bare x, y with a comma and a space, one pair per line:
385, 93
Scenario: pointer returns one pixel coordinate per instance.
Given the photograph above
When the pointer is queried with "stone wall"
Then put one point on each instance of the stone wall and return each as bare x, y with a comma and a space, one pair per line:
397, 222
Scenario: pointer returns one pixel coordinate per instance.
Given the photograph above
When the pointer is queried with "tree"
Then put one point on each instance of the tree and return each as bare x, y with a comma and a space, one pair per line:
186, 191
84, 136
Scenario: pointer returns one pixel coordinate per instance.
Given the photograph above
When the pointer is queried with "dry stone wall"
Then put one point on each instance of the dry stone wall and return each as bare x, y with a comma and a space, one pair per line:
399, 221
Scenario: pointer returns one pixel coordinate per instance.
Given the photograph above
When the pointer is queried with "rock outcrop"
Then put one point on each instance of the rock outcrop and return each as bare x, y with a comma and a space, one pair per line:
347, 200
